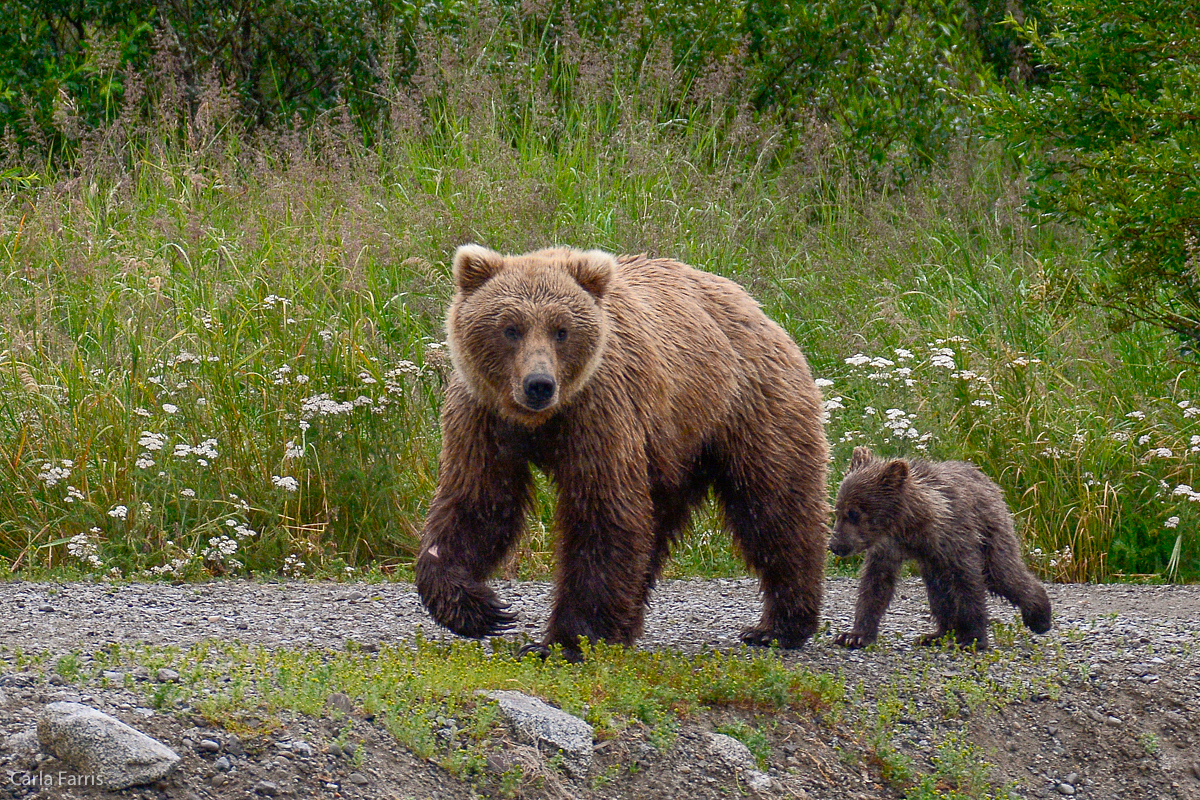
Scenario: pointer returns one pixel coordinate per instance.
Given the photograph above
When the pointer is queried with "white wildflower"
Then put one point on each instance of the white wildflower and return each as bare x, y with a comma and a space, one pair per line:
869, 411
141, 412
144, 461
84, 548
942, 357
822, 383
187, 492
119, 512
902, 354
858, 359
291, 450
73, 494
1193, 411
1144, 438
981, 403
367, 378
1172, 522
170, 408
51, 475
152, 441
833, 404
287, 483
1136, 415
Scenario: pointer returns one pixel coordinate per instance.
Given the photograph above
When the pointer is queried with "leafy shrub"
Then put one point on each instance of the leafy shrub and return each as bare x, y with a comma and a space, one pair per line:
1112, 143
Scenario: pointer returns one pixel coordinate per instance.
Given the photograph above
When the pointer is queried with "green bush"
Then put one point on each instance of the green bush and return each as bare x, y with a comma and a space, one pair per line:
1111, 140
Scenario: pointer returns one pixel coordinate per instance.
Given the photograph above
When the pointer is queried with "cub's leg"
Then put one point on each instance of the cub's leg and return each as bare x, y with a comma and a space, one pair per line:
876, 587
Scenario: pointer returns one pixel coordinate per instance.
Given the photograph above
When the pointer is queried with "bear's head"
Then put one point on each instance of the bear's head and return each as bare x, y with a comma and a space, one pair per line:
867, 502
526, 332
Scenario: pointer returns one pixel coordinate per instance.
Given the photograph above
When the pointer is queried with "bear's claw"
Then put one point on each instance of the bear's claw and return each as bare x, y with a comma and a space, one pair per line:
759, 636
853, 640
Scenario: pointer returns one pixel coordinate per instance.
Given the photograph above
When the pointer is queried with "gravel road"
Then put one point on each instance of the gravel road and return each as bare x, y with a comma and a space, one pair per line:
1123, 722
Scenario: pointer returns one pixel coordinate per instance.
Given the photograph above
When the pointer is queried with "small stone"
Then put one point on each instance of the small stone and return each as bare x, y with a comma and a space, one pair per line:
46, 609
1072, 778
23, 742
1196, 770
219, 779
335, 749
1052, 730
223, 764
1114, 721
1067, 789
233, 745
209, 746
166, 675
758, 781
57, 680
268, 788
302, 749
348, 748
354, 597
339, 701
358, 779
115, 677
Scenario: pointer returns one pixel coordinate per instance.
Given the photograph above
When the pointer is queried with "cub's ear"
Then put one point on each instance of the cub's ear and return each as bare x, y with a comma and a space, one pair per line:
474, 266
592, 270
895, 473
862, 456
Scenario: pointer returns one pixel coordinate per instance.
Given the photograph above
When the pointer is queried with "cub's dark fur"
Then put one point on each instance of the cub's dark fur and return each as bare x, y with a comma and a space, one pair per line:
952, 520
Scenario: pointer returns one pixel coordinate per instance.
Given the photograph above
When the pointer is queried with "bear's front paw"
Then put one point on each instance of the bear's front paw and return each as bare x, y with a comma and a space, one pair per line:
855, 640
762, 636
473, 612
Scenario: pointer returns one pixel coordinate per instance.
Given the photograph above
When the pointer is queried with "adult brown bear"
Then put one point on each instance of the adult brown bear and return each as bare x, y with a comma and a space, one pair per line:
635, 384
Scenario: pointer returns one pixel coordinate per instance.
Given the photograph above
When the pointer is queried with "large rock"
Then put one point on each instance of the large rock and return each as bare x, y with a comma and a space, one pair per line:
113, 754
548, 728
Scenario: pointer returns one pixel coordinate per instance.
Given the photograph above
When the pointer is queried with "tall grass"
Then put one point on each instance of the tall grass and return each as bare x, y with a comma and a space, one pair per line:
222, 353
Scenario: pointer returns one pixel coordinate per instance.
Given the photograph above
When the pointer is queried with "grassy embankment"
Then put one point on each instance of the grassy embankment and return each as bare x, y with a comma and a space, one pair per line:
223, 355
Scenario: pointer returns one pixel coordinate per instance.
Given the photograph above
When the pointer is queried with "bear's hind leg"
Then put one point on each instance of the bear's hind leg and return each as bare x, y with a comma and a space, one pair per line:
778, 519
958, 603
1008, 576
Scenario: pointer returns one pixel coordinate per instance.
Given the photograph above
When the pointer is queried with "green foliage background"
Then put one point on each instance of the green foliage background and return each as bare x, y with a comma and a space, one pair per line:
225, 230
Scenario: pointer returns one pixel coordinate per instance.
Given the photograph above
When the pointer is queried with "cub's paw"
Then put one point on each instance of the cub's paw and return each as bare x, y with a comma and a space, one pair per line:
854, 640
534, 649
763, 636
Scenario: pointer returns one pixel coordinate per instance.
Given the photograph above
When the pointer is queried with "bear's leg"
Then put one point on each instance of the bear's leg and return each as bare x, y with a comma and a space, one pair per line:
1007, 575
957, 601
876, 586
777, 515
476, 515
605, 527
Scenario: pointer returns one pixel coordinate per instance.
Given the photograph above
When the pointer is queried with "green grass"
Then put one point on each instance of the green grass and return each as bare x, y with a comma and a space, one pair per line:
224, 356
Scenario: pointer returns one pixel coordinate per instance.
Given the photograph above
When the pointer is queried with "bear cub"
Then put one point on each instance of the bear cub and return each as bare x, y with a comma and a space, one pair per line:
952, 520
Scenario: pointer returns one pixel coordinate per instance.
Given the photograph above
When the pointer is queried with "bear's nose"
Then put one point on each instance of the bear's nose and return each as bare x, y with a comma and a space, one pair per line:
539, 388
839, 548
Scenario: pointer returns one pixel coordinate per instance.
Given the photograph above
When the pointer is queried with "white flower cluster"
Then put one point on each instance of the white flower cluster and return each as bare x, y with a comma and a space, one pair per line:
942, 357
119, 512
292, 565
175, 567
1171, 522
900, 423
205, 452
84, 547
240, 530
1183, 490
286, 482
220, 548
52, 475
184, 357
292, 451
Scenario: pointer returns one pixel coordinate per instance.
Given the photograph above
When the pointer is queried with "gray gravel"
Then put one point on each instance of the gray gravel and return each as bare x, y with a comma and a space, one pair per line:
1109, 708
686, 615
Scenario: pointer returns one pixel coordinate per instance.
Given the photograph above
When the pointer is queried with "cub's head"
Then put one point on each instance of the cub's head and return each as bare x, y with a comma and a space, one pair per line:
867, 501
527, 332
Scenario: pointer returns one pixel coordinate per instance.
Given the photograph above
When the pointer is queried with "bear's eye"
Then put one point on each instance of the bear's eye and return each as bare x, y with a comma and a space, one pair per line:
853, 516
512, 333
560, 335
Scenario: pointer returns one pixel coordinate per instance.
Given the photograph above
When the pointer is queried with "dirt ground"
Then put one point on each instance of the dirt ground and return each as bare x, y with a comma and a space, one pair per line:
1109, 705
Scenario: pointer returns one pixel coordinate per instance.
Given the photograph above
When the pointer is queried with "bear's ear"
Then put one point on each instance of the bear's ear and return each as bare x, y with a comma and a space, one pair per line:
474, 266
592, 270
862, 456
895, 473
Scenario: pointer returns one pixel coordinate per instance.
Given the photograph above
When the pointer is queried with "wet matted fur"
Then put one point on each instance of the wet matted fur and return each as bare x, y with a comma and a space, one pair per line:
952, 520
635, 384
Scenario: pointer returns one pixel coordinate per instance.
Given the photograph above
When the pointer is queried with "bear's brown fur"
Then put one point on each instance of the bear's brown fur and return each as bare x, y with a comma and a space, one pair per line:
635, 384
952, 520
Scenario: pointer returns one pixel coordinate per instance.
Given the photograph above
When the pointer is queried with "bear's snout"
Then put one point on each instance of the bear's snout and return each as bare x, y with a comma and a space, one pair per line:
539, 390
841, 545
